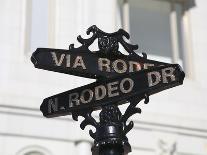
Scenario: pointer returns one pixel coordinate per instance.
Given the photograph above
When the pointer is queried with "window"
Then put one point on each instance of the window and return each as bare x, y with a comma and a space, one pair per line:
34, 153
156, 26
39, 24
34, 150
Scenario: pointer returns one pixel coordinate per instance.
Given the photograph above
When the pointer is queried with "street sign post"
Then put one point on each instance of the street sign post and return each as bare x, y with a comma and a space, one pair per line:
120, 79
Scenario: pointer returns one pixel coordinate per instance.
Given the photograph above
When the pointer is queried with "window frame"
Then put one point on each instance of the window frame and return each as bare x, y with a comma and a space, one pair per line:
186, 41
34, 148
28, 26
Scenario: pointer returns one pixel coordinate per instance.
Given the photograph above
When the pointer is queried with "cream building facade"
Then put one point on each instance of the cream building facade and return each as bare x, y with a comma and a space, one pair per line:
173, 123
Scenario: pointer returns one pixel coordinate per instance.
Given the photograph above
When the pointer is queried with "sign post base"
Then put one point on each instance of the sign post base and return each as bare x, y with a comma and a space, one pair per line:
110, 136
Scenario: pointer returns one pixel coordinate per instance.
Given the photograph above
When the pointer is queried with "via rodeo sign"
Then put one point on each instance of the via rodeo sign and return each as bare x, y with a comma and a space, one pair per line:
120, 78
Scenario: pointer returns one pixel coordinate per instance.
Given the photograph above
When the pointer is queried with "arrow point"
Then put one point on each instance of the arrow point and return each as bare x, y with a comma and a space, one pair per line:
34, 61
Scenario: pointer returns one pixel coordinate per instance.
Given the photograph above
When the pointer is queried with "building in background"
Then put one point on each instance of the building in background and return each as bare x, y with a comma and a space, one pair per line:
174, 122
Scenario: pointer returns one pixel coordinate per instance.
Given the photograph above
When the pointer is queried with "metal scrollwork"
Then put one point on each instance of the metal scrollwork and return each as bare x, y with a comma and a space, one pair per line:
112, 127
107, 42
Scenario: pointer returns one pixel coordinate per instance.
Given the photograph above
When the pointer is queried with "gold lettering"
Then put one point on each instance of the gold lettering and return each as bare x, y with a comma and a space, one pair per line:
82, 96
132, 65
117, 69
73, 99
124, 89
55, 59
100, 92
52, 105
153, 78
68, 60
111, 88
147, 66
104, 63
168, 72
79, 62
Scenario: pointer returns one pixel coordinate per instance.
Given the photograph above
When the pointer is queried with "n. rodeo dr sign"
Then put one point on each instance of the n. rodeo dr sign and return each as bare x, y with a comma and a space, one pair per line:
114, 90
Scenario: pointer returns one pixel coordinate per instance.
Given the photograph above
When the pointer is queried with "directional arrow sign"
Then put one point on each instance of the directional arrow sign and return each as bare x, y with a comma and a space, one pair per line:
82, 62
113, 90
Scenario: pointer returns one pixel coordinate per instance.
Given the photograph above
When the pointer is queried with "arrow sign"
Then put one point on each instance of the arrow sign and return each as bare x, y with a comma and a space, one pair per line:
113, 90
82, 62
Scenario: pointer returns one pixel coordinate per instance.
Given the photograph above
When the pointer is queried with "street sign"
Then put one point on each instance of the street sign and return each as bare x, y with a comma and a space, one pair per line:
117, 90
120, 79
90, 64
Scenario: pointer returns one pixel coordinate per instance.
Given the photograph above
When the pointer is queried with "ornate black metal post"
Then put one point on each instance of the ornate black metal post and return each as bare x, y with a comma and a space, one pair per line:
110, 136
120, 79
